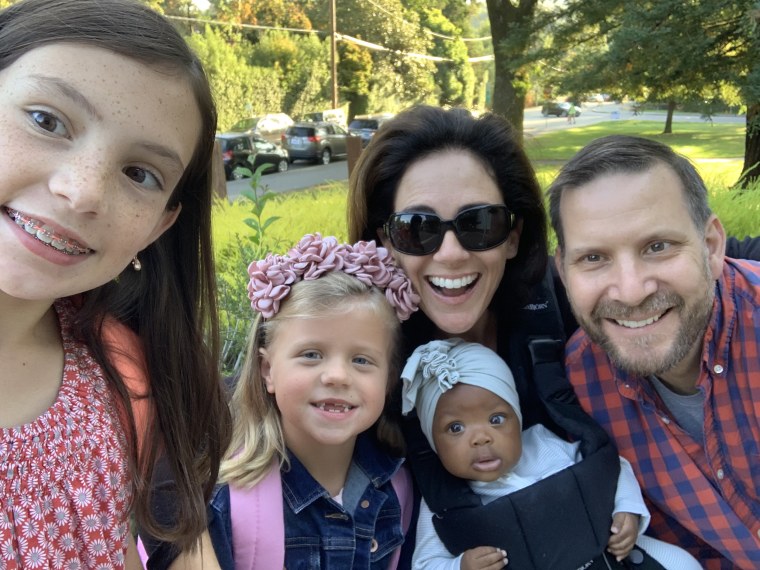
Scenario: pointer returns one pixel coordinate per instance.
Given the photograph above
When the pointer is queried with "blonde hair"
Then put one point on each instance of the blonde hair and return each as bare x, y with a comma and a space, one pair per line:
257, 439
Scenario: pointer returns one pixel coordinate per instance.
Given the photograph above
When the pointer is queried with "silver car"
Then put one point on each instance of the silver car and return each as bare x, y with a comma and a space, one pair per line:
320, 142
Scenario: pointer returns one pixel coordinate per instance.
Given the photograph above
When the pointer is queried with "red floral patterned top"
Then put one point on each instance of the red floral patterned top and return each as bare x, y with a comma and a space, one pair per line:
64, 492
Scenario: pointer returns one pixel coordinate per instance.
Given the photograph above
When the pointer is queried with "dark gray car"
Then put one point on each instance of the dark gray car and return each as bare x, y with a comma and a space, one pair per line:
240, 150
320, 142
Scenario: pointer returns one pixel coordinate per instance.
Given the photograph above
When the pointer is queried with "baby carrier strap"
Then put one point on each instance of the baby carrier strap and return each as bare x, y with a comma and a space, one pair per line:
258, 521
562, 521
555, 523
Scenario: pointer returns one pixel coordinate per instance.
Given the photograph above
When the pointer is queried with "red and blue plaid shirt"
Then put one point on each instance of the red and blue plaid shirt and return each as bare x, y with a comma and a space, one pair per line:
703, 496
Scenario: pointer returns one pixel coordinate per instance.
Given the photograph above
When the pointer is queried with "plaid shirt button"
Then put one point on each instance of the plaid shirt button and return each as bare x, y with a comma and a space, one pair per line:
718, 369
720, 473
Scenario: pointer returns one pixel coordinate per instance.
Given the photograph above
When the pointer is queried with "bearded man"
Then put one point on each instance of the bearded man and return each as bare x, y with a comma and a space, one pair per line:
668, 355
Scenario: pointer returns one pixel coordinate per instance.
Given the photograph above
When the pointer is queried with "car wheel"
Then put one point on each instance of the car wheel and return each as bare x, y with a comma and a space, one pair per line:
326, 156
236, 174
282, 166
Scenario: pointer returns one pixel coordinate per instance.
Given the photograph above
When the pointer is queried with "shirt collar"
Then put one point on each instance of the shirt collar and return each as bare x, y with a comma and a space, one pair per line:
300, 489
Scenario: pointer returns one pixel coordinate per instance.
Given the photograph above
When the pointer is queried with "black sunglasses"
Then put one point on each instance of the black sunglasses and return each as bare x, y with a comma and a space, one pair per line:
477, 229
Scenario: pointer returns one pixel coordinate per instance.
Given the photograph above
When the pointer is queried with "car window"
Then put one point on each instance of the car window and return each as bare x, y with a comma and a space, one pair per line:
339, 130
238, 145
301, 131
322, 131
363, 124
261, 144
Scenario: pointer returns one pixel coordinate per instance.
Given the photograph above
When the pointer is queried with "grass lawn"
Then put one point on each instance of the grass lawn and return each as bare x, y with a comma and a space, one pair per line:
694, 140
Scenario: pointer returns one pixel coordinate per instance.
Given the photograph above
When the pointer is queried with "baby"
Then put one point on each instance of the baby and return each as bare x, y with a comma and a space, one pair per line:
469, 411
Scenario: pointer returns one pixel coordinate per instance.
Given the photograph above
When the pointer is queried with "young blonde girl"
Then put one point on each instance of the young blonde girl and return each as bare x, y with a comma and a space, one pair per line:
314, 477
106, 282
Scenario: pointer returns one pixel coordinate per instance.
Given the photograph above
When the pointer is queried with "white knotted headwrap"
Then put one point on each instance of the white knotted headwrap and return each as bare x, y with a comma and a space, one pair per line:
437, 366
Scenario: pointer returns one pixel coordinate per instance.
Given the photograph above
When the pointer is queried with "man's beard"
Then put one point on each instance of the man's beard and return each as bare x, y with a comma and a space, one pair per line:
694, 320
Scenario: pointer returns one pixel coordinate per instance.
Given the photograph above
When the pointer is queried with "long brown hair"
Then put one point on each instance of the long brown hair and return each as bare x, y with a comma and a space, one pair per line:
423, 130
170, 304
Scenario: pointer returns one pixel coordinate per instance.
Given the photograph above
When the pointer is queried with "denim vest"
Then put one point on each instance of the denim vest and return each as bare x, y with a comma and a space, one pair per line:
319, 533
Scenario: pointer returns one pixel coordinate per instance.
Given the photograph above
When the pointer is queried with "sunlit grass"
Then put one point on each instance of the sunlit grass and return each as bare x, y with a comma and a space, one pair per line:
320, 209
694, 140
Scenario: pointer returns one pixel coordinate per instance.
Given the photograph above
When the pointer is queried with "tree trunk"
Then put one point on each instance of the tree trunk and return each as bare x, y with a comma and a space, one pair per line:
508, 101
751, 168
511, 31
669, 118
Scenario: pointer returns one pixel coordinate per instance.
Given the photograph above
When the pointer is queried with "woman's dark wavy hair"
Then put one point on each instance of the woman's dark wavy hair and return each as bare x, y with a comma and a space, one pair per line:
170, 304
424, 130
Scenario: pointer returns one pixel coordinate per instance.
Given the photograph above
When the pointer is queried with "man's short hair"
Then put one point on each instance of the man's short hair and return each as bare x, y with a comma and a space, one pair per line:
627, 154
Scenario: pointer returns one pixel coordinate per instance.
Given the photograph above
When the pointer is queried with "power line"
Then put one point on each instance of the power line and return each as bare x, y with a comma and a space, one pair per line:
378, 47
430, 32
342, 37
247, 26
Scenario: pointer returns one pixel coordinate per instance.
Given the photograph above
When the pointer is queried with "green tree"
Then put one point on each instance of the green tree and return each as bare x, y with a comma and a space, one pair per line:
396, 79
455, 79
513, 31
240, 90
749, 84
670, 51
355, 76
302, 64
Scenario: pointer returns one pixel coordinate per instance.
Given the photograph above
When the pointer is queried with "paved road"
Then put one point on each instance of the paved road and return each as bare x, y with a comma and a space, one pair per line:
305, 174
535, 124
299, 175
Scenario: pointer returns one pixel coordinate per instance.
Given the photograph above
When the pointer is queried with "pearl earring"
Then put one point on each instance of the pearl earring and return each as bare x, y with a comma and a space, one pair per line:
136, 265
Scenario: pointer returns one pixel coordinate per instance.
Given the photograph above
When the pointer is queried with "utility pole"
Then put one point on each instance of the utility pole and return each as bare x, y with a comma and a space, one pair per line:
333, 62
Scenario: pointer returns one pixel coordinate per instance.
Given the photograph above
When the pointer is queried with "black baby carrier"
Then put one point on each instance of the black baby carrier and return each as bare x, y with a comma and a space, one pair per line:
562, 522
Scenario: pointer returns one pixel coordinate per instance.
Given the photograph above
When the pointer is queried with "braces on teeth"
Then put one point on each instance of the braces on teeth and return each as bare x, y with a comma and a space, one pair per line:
46, 235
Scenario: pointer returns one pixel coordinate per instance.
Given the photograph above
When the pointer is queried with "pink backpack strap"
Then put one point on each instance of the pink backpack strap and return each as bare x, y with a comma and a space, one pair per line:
258, 524
402, 485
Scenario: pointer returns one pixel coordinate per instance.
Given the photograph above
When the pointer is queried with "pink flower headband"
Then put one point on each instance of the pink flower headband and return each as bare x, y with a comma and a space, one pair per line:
272, 277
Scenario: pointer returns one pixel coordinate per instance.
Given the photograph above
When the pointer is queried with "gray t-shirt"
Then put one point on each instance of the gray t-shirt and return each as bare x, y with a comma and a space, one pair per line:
687, 410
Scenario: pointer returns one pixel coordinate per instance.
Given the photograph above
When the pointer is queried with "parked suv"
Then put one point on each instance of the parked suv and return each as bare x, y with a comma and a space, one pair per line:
315, 141
246, 151
268, 127
365, 126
